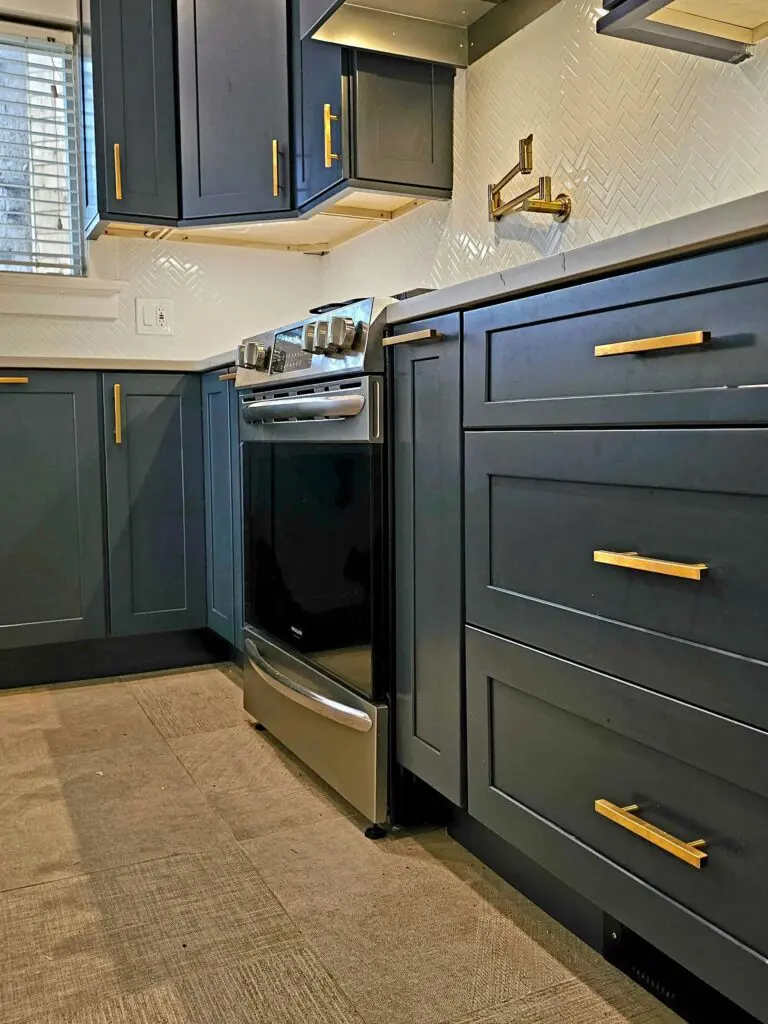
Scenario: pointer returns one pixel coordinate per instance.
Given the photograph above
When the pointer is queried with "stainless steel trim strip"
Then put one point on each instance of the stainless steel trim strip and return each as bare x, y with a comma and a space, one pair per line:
337, 406
352, 718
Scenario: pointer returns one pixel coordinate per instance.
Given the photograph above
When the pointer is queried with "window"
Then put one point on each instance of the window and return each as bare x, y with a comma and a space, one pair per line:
40, 212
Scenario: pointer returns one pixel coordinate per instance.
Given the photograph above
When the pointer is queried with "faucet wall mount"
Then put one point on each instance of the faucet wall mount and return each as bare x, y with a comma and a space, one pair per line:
534, 200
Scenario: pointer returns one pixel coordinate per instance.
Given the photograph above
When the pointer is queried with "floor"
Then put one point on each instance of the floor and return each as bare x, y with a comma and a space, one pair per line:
161, 862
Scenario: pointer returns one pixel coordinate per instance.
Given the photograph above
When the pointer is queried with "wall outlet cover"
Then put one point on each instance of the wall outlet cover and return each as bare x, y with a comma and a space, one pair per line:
154, 316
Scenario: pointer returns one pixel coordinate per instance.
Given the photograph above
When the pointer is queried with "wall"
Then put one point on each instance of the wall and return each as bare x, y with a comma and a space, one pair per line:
635, 133
221, 295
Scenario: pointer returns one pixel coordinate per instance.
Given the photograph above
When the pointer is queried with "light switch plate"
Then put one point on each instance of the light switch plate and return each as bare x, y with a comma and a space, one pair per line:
154, 316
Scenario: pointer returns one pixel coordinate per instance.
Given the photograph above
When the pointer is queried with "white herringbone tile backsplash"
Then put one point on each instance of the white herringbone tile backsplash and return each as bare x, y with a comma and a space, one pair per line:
636, 134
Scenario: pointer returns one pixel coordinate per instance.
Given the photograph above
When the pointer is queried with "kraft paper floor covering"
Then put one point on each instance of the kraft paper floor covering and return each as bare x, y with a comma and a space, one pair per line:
163, 863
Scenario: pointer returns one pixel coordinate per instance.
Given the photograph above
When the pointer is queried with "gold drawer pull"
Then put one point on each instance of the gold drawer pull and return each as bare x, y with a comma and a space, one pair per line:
429, 334
117, 397
14, 380
631, 560
691, 853
227, 376
328, 118
118, 172
624, 348
275, 168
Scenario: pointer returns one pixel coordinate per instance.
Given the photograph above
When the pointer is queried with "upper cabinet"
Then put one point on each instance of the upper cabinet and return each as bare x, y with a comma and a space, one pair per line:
720, 29
234, 98
134, 107
370, 123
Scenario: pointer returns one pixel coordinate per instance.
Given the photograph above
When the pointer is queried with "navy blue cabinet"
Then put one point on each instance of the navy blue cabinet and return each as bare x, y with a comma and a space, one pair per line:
429, 613
223, 506
51, 552
154, 487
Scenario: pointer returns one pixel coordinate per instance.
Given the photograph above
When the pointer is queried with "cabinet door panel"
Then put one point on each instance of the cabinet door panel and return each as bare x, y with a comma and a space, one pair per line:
135, 94
233, 82
403, 122
155, 504
318, 80
428, 559
222, 507
51, 550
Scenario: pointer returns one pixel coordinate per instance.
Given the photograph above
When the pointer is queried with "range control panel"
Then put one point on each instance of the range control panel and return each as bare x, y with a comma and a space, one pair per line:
345, 340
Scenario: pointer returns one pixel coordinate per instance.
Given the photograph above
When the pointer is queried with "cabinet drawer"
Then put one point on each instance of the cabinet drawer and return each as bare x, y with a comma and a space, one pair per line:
539, 504
533, 361
556, 737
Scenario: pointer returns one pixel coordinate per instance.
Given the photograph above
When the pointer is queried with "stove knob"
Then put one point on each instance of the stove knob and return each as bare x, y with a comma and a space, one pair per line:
308, 336
241, 354
321, 337
249, 354
342, 333
260, 357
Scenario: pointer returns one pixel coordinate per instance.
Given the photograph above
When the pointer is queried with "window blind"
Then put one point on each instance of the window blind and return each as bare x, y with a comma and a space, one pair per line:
40, 210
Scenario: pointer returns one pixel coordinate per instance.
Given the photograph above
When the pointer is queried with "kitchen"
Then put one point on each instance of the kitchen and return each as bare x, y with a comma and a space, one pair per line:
542, 491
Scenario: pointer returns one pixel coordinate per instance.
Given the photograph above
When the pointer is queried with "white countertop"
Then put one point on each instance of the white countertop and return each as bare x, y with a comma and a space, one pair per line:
117, 365
739, 220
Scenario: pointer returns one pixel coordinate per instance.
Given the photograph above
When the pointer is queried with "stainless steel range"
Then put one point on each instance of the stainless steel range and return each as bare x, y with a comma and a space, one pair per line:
315, 560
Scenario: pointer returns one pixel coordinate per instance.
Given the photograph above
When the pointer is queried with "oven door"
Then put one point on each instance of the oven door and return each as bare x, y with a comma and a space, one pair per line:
312, 531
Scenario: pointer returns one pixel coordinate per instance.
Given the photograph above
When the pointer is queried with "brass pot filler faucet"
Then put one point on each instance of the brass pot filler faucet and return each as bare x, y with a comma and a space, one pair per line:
536, 200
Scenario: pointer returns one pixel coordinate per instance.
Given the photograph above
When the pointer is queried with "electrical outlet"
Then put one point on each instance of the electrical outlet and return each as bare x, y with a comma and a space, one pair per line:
154, 316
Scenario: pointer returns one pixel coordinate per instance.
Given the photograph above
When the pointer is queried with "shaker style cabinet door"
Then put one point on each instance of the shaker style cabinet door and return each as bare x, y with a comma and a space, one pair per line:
427, 502
51, 551
235, 122
321, 116
223, 498
134, 91
155, 517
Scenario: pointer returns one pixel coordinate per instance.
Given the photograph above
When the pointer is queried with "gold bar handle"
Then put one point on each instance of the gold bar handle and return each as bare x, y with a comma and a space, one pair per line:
328, 118
275, 169
689, 852
14, 380
227, 376
118, 172
116, 393
625, 348
632, 560
429, 334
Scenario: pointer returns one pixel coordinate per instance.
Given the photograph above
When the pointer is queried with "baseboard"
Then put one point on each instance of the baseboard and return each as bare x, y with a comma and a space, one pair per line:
114, 656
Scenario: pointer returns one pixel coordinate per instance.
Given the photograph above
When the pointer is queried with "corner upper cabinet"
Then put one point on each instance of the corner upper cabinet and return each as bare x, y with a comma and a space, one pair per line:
234, 108
428, 544
725, 30
155, 515
133, 109
51, 555
367, 122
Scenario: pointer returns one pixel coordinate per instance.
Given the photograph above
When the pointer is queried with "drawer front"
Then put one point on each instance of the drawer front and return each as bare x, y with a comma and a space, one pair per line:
533, 361
540, 504
556, 737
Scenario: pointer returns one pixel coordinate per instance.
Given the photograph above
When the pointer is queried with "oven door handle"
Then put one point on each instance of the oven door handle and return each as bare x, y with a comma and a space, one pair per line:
310, 407
352, 718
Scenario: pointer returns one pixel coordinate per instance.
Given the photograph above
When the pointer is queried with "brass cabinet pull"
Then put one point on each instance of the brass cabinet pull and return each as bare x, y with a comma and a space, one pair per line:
430, 334
275, 169
632, 560
227, 376
328, 117
14, 380
116, 393
118, 173
624, 348
689, 852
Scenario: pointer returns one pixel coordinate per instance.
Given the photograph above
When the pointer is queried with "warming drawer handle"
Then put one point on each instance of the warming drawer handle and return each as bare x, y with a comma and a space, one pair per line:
625, 348
309, 407
352, 718
689, 852
632, 560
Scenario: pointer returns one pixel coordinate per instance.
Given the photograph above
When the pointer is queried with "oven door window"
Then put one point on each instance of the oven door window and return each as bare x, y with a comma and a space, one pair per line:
308, 548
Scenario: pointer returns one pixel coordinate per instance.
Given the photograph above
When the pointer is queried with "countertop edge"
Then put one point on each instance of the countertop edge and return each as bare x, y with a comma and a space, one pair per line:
116, 364
737, 221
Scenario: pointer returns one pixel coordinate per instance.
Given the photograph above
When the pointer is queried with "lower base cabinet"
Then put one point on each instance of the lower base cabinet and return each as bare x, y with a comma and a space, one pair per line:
223, 507
52, 586
427, 481
154, 484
